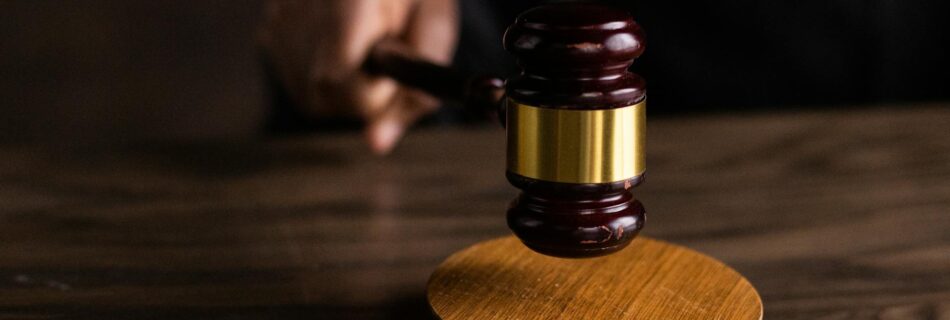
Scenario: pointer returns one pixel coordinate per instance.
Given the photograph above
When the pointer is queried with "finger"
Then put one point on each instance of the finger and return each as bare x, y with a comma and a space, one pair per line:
384, 131
432, 32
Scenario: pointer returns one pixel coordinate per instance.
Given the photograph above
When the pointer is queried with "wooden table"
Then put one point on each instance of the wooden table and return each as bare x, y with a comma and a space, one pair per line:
831, 215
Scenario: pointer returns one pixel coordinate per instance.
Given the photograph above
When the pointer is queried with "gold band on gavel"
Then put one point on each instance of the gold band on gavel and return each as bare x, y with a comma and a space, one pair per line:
576, 146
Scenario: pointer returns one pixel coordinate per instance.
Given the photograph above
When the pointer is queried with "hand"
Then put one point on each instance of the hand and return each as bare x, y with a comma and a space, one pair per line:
318, 49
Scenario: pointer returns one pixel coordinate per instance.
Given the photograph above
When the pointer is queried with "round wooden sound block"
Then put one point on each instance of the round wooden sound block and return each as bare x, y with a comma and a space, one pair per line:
650, 280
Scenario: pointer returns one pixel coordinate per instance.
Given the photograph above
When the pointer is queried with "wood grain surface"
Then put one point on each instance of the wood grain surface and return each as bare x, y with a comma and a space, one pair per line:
650, 280
831, 215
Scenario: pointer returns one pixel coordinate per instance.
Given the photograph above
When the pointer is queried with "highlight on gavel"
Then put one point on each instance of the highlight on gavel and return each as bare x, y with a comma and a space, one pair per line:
575, 120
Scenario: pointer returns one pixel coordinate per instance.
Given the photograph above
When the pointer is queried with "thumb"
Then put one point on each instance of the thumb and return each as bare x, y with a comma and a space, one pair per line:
384, 130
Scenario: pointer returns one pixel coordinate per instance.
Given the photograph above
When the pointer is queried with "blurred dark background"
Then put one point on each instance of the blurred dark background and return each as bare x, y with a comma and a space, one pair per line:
741, 55
115, 70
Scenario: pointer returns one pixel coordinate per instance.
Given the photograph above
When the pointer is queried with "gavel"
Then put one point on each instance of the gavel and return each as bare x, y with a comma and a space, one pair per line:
575, 120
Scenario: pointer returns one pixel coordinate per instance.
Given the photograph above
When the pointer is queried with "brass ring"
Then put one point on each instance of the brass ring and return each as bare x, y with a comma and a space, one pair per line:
576, 146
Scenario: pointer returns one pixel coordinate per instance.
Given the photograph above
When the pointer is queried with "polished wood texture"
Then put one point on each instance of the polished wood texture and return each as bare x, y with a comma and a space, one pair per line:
832, 215
653, 280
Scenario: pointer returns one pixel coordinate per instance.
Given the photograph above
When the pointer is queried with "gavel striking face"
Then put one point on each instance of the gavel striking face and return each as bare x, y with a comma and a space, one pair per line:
575, 121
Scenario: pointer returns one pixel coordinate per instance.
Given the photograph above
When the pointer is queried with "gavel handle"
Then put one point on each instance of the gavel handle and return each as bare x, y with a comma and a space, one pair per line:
394, 59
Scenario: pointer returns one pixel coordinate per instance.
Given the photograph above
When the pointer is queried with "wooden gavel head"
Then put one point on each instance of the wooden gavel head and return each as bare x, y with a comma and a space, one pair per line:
575, 122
